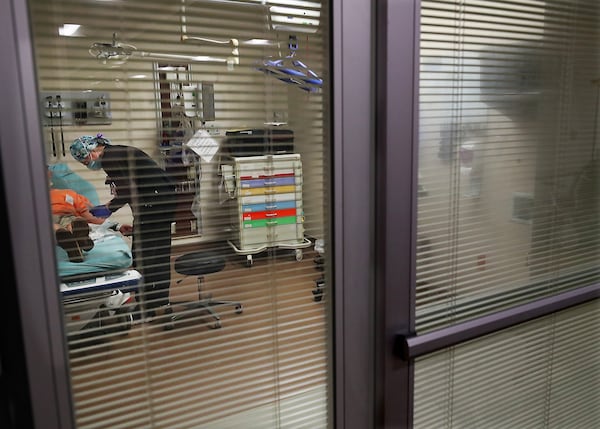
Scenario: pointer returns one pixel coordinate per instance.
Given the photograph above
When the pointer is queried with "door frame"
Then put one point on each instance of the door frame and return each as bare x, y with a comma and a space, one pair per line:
29, 225
396, 122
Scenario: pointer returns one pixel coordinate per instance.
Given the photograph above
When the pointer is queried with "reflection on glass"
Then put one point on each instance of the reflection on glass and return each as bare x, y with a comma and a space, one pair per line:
508, 136
203, 300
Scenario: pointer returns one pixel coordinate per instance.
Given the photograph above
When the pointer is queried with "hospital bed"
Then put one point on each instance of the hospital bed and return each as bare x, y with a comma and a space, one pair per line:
98, 293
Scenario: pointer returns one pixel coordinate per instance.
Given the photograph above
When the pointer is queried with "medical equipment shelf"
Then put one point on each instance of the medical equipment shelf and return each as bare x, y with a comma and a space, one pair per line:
269, 211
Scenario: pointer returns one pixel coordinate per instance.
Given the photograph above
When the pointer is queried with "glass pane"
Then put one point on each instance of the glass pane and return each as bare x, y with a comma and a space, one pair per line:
540, 374
508, 202
197, 134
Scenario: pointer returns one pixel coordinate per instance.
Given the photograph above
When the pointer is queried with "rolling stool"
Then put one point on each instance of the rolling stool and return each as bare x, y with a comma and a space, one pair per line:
199, 264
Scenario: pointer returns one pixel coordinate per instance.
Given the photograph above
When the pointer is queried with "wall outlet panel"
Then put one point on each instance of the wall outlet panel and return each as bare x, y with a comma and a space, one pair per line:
66, 108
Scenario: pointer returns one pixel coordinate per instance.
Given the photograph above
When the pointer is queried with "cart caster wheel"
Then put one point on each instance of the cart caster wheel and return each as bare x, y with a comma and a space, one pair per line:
123, 319
169, 323
248, 260
216, 325
239, 309
318, 290
299, 255
128, 322
169, 326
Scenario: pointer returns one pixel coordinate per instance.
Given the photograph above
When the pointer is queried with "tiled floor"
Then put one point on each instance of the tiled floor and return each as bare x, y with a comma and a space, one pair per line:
193, 375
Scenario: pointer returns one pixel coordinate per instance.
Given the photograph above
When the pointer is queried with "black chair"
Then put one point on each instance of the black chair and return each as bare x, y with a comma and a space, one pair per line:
200, 264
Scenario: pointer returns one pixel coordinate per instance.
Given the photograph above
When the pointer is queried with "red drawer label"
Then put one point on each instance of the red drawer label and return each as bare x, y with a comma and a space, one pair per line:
267, 176
269, 214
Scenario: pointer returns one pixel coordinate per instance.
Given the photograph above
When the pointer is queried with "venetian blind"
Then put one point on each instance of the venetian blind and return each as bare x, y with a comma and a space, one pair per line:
508, 201
508, 210
540, 374
230, 100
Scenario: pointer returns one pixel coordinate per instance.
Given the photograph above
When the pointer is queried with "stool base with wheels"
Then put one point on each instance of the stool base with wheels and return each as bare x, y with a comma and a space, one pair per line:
199, 264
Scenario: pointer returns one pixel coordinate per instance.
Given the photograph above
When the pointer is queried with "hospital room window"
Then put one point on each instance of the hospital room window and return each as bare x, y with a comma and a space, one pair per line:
196, 133
508, 157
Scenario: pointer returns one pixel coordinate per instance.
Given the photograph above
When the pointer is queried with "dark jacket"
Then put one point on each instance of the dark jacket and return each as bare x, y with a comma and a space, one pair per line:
140, 182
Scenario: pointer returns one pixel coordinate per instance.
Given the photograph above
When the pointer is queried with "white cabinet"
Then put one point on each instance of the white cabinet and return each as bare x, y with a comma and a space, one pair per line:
268, 212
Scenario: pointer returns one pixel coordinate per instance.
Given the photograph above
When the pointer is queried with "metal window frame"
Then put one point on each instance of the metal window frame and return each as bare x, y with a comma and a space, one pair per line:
353, 212
397, 172
360, 396
375, 106
397, 62
29, 224
23, 167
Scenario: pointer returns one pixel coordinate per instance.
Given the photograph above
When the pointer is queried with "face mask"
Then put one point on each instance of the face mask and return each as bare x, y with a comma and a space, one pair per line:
94, 165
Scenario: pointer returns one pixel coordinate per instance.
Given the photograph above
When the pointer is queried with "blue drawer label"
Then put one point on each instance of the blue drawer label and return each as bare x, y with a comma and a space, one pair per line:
276, 205
271, 181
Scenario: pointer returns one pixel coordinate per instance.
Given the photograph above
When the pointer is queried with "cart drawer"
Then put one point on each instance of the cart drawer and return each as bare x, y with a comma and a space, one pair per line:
283, 205
272, 236
260, 167
269, 181
269, 214
267, 191
270, 199
269, 222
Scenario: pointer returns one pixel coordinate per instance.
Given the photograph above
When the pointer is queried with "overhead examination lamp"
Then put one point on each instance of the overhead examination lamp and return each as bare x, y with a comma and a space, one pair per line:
291, 70
118, 52
300, 16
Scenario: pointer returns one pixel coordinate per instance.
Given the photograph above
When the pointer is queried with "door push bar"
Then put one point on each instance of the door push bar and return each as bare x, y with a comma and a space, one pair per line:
409, 347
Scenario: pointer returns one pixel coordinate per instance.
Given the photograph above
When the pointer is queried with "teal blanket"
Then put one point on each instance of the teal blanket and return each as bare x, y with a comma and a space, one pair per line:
110, 253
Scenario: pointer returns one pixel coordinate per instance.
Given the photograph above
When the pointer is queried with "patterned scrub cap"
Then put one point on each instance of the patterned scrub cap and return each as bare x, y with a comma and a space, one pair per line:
82, 146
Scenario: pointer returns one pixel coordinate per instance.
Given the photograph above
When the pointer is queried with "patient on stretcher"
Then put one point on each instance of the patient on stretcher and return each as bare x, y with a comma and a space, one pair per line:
71, 217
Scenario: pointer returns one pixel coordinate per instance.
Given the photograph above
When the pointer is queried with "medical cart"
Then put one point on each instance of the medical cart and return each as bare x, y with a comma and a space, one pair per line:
268, 212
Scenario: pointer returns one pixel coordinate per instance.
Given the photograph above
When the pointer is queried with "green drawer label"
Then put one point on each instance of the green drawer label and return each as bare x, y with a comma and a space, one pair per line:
261, 223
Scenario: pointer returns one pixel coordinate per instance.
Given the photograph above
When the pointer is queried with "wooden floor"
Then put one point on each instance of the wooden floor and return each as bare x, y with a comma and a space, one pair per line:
191, 375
